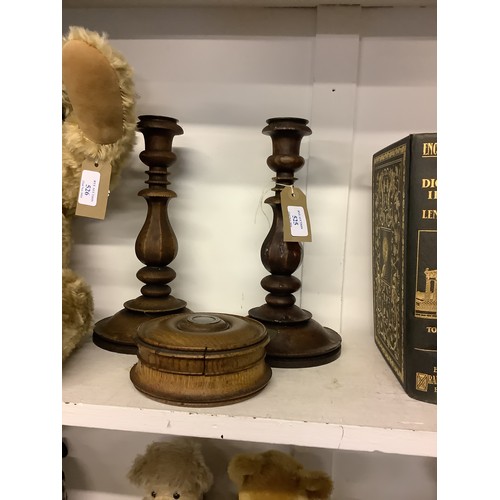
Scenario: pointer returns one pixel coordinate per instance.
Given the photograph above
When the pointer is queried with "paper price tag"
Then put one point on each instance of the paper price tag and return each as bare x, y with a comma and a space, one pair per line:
94, 189
89, 188
296, 225
298, 221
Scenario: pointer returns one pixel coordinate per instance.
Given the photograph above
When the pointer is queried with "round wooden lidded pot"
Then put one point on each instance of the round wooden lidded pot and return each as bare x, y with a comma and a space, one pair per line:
201, 359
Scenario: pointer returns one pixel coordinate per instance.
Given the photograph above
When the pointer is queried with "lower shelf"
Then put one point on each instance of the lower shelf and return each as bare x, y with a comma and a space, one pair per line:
98, 462
354, 403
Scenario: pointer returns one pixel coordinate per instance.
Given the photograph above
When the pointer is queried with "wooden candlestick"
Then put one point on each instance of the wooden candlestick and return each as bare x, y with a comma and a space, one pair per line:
156, 244
296, 340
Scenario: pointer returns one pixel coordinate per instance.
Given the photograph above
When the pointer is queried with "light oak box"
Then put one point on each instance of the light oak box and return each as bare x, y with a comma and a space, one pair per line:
201, 359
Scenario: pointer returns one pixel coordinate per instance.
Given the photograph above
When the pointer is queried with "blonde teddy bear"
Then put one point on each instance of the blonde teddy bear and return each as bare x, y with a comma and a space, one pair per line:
274, 475
98, 126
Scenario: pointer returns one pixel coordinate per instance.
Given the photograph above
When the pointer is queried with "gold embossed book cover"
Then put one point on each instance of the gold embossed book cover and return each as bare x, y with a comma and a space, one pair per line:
404, 244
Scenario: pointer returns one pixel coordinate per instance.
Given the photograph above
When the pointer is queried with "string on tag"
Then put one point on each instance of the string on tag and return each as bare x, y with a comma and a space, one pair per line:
260, 206
286, 186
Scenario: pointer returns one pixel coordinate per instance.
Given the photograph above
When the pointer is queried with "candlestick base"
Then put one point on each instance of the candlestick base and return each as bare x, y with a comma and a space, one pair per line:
301, 344
117, 333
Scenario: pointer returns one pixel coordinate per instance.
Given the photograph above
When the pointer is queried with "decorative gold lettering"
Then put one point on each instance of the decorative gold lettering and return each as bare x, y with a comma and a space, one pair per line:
429, 149
429, 183
429, 214
424, 380
431, 329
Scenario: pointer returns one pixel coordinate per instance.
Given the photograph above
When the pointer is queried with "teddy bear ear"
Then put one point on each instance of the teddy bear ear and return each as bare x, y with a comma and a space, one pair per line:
242, 466
93, 89
318, 485
204, 479
137, 473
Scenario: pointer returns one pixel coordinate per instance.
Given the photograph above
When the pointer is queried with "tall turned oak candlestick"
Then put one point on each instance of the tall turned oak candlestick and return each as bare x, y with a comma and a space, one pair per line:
156, 244
296, 340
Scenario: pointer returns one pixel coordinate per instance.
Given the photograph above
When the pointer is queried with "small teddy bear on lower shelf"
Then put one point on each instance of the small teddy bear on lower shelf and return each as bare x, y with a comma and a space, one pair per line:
274, 475
172, 470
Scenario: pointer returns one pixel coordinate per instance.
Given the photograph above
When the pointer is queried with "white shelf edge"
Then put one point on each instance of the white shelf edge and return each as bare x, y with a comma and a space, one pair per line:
256, 429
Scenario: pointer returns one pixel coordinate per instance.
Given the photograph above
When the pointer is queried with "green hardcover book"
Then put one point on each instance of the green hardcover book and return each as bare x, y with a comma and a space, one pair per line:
404, 243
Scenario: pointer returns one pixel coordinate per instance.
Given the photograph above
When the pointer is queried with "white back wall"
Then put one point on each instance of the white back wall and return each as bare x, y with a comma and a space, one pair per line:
362, 77
222, 87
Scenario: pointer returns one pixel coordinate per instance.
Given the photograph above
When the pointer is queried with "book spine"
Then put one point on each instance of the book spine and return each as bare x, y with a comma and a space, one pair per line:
421, 270
389, 212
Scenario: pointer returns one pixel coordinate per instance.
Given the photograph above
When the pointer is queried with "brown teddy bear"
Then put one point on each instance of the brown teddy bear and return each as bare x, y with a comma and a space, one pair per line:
274, 475
99, 122
172, 470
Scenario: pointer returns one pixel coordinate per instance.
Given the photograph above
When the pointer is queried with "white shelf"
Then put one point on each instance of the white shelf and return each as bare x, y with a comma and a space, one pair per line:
354, 403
